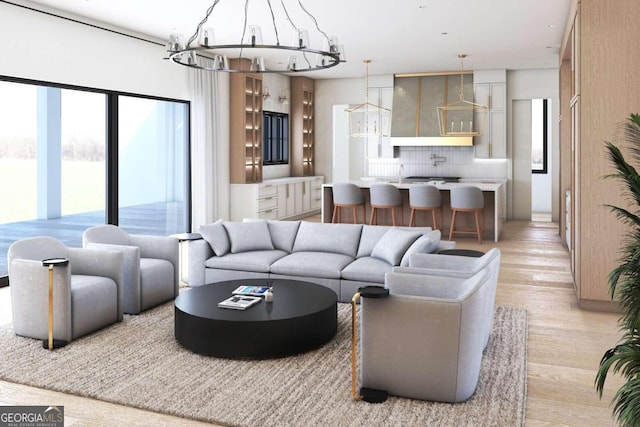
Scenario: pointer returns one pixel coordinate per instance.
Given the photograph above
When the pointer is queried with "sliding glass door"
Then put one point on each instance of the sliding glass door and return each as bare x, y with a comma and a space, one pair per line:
68, 163
152, 165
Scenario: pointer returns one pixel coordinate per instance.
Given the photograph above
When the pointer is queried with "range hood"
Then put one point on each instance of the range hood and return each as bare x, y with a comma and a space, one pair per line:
414, 117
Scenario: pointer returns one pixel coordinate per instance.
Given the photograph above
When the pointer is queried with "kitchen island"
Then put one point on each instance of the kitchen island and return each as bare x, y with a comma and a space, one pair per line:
494, 205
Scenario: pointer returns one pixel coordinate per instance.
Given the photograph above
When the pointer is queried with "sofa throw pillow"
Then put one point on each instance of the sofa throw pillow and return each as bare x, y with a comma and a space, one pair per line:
248, 236
216, 235
392, 246
428, 243
283, 233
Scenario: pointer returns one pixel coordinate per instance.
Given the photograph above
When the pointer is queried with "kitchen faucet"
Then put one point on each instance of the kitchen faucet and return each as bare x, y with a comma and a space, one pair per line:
400, 173
438, 159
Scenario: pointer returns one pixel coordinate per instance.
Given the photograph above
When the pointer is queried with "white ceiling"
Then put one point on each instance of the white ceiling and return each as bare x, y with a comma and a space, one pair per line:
399, 36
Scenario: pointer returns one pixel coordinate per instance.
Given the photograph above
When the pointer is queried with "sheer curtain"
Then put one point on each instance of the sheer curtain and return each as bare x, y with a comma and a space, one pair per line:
209, 151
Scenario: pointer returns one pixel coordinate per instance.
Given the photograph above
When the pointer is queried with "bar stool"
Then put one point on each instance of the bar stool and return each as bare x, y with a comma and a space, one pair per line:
467, 199
347, 195
384, 196
424, 198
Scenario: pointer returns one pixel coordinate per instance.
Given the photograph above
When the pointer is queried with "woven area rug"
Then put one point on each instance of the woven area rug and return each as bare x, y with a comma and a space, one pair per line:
138, 363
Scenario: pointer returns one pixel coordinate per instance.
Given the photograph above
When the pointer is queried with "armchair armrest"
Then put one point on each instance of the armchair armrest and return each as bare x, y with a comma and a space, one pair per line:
442, 262
159, 247
30, 300
197, 252
434, 287
112, 261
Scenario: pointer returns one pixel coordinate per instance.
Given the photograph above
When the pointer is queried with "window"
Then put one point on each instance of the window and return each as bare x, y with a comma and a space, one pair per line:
539, 135
73, 157
276, 138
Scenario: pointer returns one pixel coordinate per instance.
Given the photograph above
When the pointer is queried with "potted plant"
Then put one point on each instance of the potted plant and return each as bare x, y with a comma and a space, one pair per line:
624, 285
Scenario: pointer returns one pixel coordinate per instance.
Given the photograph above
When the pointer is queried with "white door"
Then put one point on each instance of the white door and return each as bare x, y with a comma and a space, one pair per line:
521, 205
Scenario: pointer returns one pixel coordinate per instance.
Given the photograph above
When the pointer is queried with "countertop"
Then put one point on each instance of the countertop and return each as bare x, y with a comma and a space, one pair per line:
484, 185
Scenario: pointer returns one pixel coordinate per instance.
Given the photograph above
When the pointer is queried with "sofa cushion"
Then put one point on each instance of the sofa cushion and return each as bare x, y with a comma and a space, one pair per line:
329, 238
371, 234
248, 236
367, 269
283, 233
312, 264
392, 246
254, 261
216, 235
428, 243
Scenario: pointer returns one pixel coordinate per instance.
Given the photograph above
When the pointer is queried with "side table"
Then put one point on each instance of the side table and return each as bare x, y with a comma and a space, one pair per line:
183, 267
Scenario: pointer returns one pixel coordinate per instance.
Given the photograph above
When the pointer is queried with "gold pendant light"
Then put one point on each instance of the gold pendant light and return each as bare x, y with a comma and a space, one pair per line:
462, 117
368, 120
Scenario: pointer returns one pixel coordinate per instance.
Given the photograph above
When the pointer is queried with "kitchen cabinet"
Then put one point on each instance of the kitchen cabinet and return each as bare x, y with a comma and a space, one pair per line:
492, 144
245, 151
281, 198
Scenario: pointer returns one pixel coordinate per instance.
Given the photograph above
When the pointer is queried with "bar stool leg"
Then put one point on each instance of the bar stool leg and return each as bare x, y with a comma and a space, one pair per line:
453, 221
373, 215
433, 217
478, 227
355, 214
334, 216
412, 218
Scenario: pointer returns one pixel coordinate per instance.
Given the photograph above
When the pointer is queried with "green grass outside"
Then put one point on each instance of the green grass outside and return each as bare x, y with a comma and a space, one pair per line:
83, 186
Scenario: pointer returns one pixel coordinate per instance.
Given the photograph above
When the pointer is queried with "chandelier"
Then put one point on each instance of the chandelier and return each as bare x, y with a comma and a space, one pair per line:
298, 56
368, 120
462, 117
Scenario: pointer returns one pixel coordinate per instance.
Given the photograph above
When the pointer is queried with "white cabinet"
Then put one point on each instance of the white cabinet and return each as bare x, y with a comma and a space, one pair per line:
276, 198
290, 198
316, 193
493, 143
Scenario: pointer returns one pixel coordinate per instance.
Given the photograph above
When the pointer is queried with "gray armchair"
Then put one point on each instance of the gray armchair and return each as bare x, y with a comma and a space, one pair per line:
460, 267
426, 339
151, 265
87, 292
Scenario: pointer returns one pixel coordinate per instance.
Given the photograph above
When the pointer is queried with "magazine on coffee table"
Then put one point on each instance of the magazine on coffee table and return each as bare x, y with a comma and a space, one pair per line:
239, 302
256, 291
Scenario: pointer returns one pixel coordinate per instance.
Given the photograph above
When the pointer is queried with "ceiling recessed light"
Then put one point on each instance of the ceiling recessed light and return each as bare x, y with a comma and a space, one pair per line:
551, 26
444, 33
422, 6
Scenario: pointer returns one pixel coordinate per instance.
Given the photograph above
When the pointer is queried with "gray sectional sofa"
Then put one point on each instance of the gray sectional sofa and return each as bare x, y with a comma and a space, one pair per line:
342, 257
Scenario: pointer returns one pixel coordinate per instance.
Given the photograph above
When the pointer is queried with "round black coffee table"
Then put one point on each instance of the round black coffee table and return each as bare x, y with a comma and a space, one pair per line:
302, 316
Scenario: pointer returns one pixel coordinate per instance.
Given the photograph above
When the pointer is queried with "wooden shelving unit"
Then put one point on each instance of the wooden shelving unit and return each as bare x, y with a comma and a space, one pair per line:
246, 128
302, 127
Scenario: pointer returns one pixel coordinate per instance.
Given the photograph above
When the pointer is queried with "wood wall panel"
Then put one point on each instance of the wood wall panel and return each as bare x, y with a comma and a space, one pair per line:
565, 141
609, 92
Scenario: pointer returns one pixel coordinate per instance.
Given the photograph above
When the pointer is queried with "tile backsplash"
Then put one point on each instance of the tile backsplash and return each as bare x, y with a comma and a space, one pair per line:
451, 161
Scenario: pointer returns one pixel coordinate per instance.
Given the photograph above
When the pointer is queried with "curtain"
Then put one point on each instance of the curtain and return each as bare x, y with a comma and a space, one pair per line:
207, 148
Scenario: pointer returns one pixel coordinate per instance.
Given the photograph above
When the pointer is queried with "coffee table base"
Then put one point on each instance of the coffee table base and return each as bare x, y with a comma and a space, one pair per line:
256, 332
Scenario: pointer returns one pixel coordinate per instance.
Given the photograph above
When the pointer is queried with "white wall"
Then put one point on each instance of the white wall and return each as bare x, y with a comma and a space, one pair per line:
43, 47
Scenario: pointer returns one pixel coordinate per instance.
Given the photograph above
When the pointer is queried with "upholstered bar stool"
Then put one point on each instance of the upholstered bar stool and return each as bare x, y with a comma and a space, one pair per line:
467, 199
347, 195
385, 196
424, 198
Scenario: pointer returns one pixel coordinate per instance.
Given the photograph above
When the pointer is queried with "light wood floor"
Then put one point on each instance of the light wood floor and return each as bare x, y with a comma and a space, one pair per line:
564, 349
